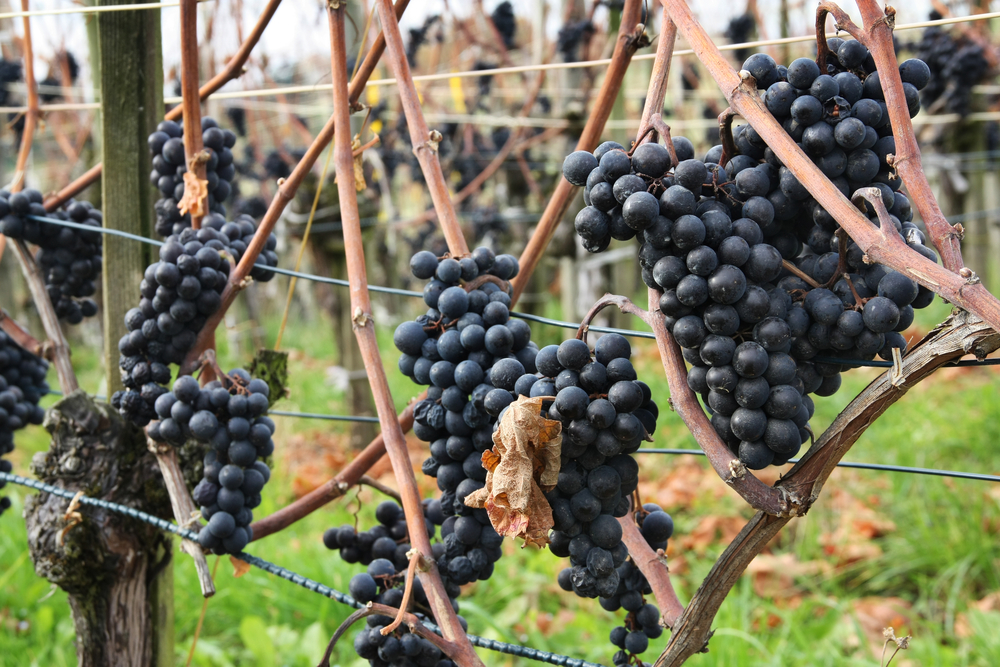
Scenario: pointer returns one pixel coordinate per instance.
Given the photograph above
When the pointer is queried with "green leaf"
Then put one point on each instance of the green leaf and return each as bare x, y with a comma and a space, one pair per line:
253, 632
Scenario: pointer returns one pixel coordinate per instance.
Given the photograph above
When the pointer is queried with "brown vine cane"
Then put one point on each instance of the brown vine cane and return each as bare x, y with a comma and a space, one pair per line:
21, 336
627, 43
364, 330
238, 277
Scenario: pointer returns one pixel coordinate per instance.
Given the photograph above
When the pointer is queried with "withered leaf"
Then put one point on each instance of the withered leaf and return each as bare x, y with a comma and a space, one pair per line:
240, 567
195, 196
521, 467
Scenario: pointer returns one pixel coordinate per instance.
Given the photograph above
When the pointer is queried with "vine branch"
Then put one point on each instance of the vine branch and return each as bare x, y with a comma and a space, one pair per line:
195, 191
50, 322
31, 115
364, 330
630, 37
185, 512
657, 90
21, 336
654, 569
424, 141
239, 276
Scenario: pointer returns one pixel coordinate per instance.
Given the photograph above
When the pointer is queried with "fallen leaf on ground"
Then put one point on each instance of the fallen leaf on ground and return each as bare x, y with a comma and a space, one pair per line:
521, 467
989, 603
774, 575
681, 482
858, 526
712, 529
873, 614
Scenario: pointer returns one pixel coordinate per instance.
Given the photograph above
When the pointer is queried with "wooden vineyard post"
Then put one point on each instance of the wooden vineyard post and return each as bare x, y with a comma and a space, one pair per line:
131, 81
131, 69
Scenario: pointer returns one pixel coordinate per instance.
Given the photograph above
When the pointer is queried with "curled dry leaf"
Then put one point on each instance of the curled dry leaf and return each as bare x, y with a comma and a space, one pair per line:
240, 567
359, 168
195, 197
522, 466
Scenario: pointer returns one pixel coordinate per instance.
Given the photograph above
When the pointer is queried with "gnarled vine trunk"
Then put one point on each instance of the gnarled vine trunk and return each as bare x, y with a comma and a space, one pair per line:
107, 563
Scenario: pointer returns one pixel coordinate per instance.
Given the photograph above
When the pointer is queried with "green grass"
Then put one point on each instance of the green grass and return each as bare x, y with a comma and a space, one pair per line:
939, 555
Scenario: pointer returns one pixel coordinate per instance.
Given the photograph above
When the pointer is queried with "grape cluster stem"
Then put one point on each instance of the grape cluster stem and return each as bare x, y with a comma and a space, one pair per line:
183, 507
417, 562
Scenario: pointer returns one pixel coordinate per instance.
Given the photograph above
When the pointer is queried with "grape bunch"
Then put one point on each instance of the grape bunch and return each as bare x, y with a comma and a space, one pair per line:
179, 293
760, 286
383, 549
956, 64
22, 385
606, 414
388, 540
166, 146
69, 258
452, 348
621, 190
237, 236
642, 620
230, 416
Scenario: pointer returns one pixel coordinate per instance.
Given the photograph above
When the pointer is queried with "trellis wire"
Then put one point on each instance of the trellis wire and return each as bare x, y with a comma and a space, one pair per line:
89, 228
444, 76
316, 415
697, 452
851, 464
524, 316
288, 575
279, 413
92, 10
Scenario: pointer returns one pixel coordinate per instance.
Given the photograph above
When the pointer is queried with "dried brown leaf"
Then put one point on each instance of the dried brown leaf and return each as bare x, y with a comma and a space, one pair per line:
523, 464
195, 197
240, 567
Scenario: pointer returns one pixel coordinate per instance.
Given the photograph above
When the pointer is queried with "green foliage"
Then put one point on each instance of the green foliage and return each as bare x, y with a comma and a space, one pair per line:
271, 366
